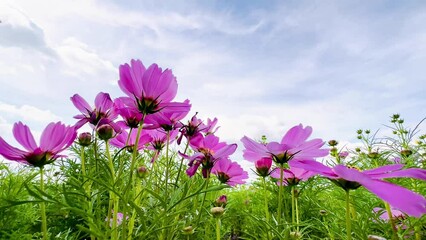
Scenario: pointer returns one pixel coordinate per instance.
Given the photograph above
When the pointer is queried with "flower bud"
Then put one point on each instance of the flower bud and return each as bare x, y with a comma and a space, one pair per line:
374, 237
395, 116
221, 201
373, 155
263, 167
367, 131
188, 230
105, 132
217, 211
323, 212
359, 131
406, 152
295, 235
343, 154
333, 143
85, 139
142, 171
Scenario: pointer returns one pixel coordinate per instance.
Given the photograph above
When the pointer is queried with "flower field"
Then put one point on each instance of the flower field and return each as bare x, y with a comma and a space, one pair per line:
150, 170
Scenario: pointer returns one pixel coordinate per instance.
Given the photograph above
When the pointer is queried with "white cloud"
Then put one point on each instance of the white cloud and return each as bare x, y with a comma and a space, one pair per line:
28, 113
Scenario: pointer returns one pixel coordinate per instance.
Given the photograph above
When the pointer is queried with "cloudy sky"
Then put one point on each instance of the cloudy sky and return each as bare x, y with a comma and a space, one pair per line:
259, 66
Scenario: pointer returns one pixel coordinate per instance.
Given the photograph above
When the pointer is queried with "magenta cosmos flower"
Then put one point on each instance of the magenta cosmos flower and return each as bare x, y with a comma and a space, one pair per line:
168, 118
55, 138
149, 89
124, 140
159, 141
208, 150
102, 112
293, 175
229, 172
294, 145
349, 178
131, 116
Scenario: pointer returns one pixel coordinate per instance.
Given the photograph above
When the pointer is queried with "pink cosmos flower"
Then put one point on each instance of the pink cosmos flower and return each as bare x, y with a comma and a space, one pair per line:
294, 145
103, 111
132, 117
229, 172
121, 139
120, 217
159, 141
149, 90
56, 137
210, 126
293, 175
169, 118
349, 178
208, 150
396, 214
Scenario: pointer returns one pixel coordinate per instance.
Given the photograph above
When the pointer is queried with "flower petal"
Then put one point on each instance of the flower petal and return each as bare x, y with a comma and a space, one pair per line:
24, 136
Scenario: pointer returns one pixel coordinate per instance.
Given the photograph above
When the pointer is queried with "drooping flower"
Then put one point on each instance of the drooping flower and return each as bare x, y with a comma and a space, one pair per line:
229, 172
208, 150
349, 178
293, 175
56, 137
149, 90
294, 145
103, 111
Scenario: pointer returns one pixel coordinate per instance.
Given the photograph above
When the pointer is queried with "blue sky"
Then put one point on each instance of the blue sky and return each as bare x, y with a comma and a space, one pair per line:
261, 67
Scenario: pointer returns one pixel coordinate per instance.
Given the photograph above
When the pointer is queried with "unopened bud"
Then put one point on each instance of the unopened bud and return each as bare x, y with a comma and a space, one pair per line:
373, 155
367, 131
105, 132
263, 166
406, 152
323, 212
359, 131
221, 201
85, 139
188, 230
374, 237
295, 235
142, 171
401, 121
217, 211
333, 143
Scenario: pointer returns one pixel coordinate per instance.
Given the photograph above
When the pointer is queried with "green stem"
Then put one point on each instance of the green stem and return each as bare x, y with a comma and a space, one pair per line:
130, 183
266, 207
297, 213
204, 199
391, 221
280, 194
293, 210
167, 164
43, 207
86, 186
180, 165
348, 217
113, 201
218, 228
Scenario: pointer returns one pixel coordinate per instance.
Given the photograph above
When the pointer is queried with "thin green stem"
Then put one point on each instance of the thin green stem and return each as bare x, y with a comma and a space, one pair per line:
43, 207
113, 201
180, 165
204, 199
266, 206
297, 212
293, 210
348, 217
167, 165
87, 186
391, 221
218, 228
280, 194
